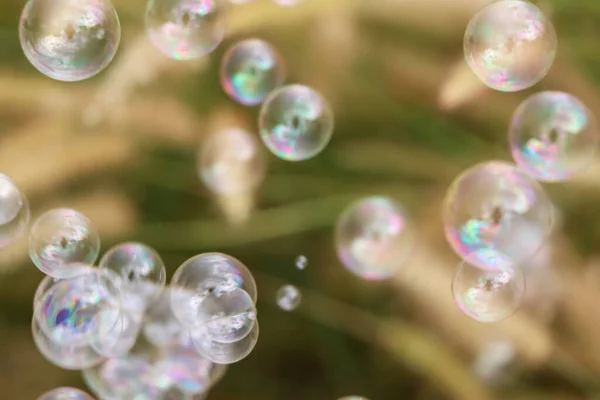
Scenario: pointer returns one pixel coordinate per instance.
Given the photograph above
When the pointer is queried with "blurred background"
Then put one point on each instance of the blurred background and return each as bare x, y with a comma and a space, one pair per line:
122, 148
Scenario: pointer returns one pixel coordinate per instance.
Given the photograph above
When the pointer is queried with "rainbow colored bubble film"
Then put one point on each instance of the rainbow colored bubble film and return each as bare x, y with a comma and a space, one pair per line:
488, 294
250, 70
553, 136
65, 393
510, 45
495, 205
185, 29
69, 40
373, 238
296, 123
117, 377
185, 369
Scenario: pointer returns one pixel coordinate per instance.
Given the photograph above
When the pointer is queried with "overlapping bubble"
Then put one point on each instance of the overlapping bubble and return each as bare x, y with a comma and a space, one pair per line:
288, 297
65, 393
553, 136
510, 45
14, 211
69, 40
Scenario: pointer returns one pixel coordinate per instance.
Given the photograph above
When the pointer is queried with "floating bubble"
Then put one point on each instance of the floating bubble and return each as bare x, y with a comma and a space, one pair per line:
495, 205
141, 269
510, 45
373, 238
553, 136
301, 262
250, 70
14, 211
117, 332
353, 398
61, 237
69, 40
296, 123
65, 393
491, 293
231, 162
287, 3
160, 325
185, 29
224, 353
288, 297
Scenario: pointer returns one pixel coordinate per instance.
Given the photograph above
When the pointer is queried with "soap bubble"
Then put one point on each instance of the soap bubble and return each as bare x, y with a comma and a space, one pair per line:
510, 45
65, 393
117, 332
185, 29
250, 70
231, 161
205, 274
287, 3
69, 40
288, 297
495, 205
61, 237
14, 211
141, 269
353, 398
224, 353
488, 294
374, 238
296, 123
160, 325
553, 136
301, 262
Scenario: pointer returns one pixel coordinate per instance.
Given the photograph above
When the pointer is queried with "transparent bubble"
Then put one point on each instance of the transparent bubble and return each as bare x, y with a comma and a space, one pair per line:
239, 1
374, 238
510, 45
185, 29
296, 123
141, 269
288, 297
65, 393
250, 70
553, 136
301, 262
205, 274
117, 333
160, 325
61, 237
495, 205
287, 3
69, 40
14, 211
231, 161
224, 353
353, 398
491, 293
73, 311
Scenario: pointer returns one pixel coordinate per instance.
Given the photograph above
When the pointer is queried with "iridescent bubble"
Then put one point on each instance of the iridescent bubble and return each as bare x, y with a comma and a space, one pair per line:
65, 393
185, 29
69, 40
510, 45
288, 297
250, 70
61, 237
224, 353
374, 238
488, 294
295, 122
14, 211
495, 205
231, 161
553, 136
203, 275
141, 269
301, 262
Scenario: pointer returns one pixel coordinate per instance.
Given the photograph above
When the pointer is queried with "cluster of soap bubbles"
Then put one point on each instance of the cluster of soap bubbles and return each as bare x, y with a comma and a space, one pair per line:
496, 215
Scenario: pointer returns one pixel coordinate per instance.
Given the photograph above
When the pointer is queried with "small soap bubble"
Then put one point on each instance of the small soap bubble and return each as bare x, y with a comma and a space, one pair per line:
495, 205
488, 294
288, 297
14, 211
301, 262
142, 271
295, 122
374, 238
185, 29
250, 70
69, 40
231, 161
553, 136
65, 393
287, 3
225, 353
510, 45
61, 237
353, 398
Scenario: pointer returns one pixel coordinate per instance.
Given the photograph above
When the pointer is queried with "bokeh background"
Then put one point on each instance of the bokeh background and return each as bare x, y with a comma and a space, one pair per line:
121, 148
